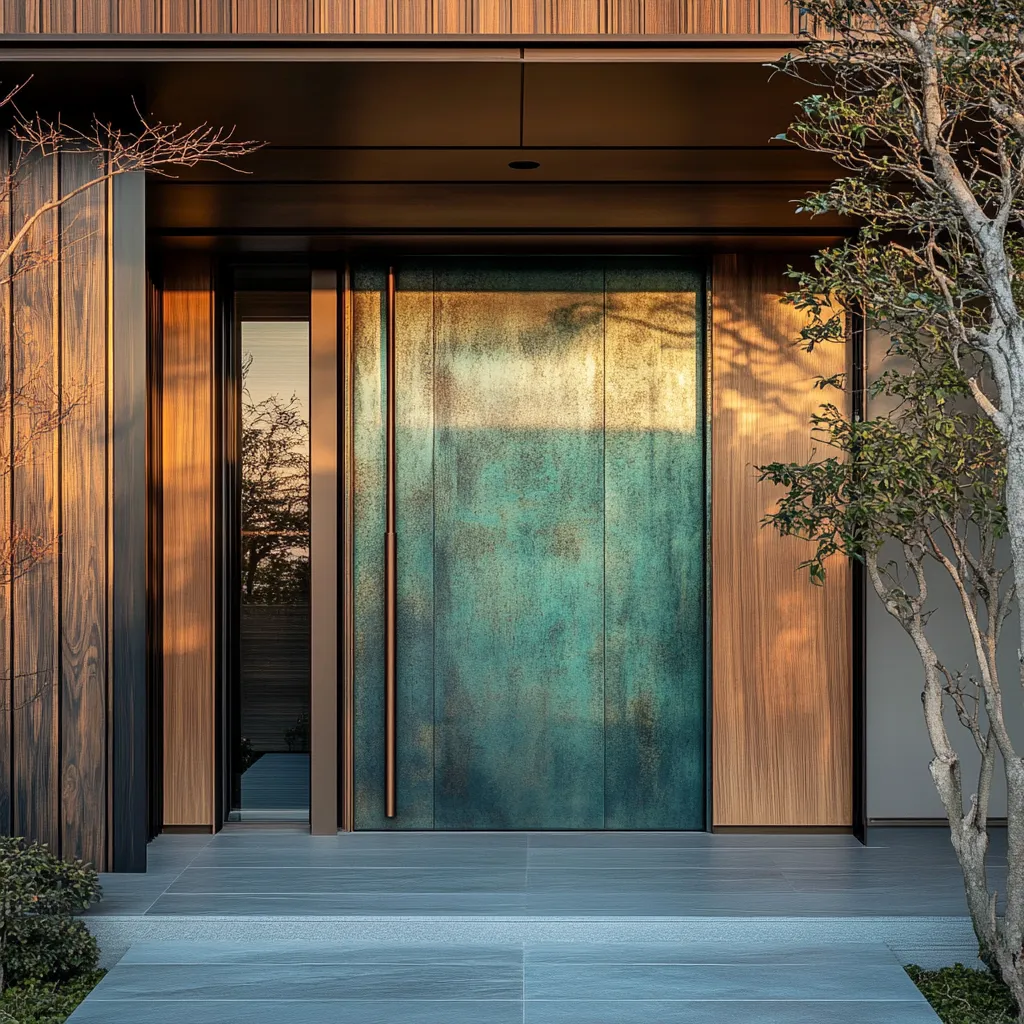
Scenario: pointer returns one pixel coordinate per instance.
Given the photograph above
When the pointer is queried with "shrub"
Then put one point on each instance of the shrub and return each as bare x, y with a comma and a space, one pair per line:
39, 1002
39, 893
965, 995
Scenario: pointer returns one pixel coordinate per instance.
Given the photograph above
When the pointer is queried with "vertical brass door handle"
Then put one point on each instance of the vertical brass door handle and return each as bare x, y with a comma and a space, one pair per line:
390, 567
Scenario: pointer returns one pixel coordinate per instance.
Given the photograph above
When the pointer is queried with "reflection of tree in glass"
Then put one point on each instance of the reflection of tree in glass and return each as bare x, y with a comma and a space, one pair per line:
275, 500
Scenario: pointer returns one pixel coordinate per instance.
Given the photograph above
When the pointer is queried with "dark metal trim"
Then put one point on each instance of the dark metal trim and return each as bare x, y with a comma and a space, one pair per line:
128, 522
858, 585
154, 582
227, 503
390, 568
348, 633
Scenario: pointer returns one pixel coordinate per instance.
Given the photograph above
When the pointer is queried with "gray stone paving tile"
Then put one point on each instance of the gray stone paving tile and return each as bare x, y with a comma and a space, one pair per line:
694, 840
228, 952
355, 904
789, 954
750, 1012
309, 1011
628, 859
392, 840
657, 880
305, 880
212, 982
840, 982
798, 904
488, 856
231, 953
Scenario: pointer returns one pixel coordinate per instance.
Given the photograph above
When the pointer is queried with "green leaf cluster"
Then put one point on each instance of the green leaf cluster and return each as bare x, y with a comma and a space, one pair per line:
894, 88
46, 1002
40, 940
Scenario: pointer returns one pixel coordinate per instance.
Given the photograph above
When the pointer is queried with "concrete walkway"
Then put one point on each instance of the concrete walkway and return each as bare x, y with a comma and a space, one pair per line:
522, 983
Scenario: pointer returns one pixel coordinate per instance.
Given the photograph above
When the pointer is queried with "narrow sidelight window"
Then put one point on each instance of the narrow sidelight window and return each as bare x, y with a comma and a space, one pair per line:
270, 763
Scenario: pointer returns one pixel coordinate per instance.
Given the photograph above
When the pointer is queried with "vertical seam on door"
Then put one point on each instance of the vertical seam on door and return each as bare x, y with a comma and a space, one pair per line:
604, 532
433, 543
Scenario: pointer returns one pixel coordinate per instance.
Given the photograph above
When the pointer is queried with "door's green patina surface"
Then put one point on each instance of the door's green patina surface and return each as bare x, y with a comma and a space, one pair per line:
551, 515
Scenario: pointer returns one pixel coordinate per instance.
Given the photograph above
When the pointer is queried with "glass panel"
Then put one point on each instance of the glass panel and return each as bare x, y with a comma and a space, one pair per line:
274, 609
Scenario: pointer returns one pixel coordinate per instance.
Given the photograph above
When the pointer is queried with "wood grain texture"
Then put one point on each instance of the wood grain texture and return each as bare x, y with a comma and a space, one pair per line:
215, 16
179, 15
372, 17
34, 594
83, 549
56, 17
400, 17
334, 17
187, 494
6, 655
138, 17
94, 15
781, 671
546, 17
64, 658
622, 17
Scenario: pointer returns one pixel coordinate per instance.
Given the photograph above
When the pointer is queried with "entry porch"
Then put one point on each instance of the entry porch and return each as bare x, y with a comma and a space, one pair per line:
606, 926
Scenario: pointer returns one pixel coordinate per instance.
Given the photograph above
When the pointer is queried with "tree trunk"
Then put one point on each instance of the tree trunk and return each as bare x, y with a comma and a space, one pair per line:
1015, 494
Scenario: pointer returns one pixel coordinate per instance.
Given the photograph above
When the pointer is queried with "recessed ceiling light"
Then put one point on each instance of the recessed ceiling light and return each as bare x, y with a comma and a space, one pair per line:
524, 165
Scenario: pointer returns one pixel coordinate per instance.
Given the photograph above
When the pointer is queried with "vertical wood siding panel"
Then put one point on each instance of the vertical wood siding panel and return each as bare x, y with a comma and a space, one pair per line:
179, 15
454, 17
94, 15
22, 15
138, 16
781, 647
335, 17
187, 489
215, 16
492, 16
527, 16
58, 16
371, 17
703, 16
410, 17
741, 16
623, 17
256, 16
34, 593
83, 694
5, 516
665, 17
564, 17
776, 16
294, 17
